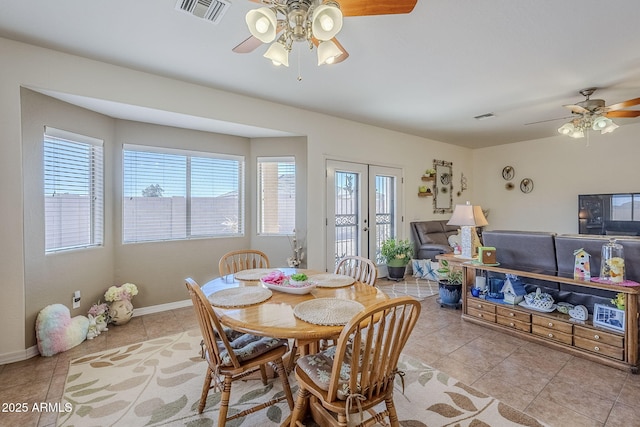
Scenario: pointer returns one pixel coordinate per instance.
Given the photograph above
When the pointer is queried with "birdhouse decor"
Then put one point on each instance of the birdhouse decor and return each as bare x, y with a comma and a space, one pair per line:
513, 290
582, 266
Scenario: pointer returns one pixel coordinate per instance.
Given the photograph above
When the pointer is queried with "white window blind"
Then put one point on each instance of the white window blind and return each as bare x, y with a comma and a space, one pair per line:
177, 194
73, 190
277, 195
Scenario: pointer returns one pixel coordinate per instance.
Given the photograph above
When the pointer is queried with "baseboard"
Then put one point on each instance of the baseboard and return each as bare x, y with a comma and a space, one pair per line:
161, 307
30, 352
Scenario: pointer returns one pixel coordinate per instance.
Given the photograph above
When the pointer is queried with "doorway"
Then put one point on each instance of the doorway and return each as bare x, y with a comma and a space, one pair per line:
364, 205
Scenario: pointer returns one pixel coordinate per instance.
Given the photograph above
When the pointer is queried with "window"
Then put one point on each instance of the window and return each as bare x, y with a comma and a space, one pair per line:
276, 195
73, 190
176, 194
625, 207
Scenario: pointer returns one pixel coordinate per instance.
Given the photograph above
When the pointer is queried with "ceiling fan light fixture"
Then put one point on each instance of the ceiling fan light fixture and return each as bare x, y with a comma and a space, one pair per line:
567, 129
262, 24
326, 21
278, 54
578, 133
601, 122
328, 52
612, 126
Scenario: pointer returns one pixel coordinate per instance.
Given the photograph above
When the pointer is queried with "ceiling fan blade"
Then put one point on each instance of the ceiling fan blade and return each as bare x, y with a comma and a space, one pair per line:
376, 7
576, 109
623, 113
248, 45
251, 43
624, 104
549, 120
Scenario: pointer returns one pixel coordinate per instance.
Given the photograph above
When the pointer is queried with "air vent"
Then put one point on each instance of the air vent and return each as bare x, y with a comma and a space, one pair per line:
211, 10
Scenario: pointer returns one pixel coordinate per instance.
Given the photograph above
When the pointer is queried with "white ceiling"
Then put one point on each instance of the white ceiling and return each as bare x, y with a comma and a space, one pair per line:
427, 73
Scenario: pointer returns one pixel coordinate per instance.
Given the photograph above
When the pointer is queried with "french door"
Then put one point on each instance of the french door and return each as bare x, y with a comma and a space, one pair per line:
363, 209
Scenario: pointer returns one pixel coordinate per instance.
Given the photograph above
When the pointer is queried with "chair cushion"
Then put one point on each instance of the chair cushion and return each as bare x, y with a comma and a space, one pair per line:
318, 367
247, 347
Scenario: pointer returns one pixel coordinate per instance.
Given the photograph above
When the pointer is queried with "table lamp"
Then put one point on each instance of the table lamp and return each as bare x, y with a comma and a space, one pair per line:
468, 217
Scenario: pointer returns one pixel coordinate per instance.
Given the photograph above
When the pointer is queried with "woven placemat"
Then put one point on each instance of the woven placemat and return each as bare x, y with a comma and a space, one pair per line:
327, 311
253, 273
239, 297
332, 280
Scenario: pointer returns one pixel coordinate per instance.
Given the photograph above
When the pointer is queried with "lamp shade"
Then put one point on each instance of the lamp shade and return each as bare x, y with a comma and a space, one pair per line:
262, 24
328, 52
468, 215
567, 129
601, 122
326, 21
278, 54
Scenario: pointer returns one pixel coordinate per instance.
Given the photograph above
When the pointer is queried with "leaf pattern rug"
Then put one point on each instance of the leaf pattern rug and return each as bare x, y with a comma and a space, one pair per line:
417, 288
158, 383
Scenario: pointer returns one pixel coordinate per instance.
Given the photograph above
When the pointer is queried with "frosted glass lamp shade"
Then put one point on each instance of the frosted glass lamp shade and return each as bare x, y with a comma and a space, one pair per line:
278, 54
326, 22
328, 52
262, 24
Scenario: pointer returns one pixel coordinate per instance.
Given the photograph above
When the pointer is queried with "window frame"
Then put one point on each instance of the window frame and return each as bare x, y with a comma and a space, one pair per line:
260, 196
189, 156
95, 174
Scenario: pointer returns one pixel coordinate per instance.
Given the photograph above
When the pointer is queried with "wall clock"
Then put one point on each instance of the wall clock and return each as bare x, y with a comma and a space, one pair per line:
526, 185
508, 172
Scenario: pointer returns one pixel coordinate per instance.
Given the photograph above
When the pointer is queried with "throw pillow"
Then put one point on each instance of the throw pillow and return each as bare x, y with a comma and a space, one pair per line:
425, 269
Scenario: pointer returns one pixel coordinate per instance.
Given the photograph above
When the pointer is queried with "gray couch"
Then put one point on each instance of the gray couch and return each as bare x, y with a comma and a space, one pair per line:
430, 238
548, 253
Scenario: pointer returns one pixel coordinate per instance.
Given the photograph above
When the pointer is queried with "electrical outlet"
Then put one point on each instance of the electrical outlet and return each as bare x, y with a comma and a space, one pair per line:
76, 299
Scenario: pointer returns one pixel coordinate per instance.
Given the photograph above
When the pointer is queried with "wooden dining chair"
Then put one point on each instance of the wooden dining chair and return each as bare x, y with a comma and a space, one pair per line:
348, 380
244, 259
234, 355
360, 268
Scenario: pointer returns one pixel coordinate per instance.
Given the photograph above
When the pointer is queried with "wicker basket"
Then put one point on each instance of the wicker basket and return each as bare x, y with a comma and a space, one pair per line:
539, 300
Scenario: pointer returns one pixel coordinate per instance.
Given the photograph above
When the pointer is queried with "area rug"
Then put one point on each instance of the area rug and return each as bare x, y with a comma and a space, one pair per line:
417, 288
158, 383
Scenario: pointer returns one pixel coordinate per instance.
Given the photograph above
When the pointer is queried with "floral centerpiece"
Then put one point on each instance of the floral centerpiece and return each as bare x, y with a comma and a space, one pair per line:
121, 308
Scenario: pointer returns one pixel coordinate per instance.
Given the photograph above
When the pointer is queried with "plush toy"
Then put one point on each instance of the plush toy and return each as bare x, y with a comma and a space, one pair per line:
56, 331
93, 331
101, 323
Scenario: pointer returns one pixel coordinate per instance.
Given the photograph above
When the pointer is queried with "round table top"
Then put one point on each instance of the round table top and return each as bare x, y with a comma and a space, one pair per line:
274, 317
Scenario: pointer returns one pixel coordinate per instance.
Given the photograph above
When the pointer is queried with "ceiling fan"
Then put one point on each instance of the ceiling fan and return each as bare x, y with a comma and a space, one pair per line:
315, 22
594, 114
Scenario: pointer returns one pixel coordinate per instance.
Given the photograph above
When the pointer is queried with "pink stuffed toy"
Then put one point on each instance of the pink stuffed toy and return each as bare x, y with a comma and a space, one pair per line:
56, 331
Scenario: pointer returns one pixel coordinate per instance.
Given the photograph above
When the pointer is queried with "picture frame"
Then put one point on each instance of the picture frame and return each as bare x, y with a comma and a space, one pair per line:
609, 317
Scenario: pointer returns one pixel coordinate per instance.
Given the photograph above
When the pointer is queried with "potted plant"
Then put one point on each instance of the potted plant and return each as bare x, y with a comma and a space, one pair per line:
450, 284
396, 254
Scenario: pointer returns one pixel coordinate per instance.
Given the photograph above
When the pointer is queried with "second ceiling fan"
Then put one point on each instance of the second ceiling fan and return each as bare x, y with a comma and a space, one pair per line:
315, 22
594, 114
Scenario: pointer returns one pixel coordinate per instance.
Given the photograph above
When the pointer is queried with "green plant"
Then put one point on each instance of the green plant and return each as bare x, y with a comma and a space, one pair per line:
397, 252
450, 275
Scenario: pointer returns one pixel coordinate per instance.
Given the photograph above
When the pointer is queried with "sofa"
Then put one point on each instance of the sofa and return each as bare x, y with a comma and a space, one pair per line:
431, 238
549, 253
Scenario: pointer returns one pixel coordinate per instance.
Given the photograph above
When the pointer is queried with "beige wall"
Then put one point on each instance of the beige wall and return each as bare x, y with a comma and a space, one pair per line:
561, 168
326, 138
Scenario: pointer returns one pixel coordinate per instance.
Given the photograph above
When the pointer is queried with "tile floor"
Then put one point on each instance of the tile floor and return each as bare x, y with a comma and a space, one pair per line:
558, 389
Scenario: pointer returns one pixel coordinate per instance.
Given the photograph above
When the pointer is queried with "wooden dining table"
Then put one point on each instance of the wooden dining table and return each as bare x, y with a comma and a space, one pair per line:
275, 316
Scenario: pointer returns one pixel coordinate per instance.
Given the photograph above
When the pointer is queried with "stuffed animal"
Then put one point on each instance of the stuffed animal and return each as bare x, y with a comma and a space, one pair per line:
93, 331
101, 323
56, 331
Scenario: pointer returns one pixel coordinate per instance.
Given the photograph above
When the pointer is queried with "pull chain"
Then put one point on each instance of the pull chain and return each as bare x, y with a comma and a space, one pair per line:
299, 67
